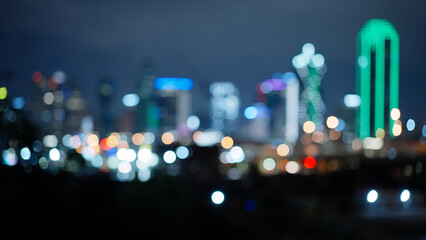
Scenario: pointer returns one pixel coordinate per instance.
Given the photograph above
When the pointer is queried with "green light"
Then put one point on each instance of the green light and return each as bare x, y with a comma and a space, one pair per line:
371, 39
3, 93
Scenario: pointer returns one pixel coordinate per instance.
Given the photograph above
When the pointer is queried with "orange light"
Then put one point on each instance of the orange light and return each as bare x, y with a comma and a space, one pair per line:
283, 150
112, 141
137, 139
92, 140
167, 138
97, 149
309, 162
227, 142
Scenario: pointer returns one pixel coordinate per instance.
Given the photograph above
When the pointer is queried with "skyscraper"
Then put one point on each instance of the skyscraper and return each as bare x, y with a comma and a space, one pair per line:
173, 99
224, 107
311, 68
377, 78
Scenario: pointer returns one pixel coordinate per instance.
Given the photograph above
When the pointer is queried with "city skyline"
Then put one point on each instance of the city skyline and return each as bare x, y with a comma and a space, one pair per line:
244, 55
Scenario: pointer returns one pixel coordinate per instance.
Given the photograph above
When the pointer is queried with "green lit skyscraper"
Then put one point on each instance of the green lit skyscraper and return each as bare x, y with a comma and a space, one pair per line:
377, 77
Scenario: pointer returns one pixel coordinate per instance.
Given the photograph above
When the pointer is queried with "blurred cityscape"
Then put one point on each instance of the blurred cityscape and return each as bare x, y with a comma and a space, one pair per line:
280, 167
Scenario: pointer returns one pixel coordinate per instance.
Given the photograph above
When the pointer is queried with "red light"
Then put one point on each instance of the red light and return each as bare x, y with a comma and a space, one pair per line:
37, 76
104, 144
52, 84
309, 162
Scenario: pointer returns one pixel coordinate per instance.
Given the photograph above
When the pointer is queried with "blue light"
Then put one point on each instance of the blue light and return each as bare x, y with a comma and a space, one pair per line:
182, 152
250, 205
341, 125
25, 153
111, 152
289, 77
251, 112
18, 102
352, 100
173, 84
411, 124
130, 100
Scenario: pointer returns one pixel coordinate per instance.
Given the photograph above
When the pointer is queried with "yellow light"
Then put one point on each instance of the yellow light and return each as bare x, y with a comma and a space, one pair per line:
137, 139
395, 114
380, 133
396, 130
3, 93
283, 150
92, 140
227, 142
97, 149
167, 138
112, 141
80, 149
332, 122
309, 127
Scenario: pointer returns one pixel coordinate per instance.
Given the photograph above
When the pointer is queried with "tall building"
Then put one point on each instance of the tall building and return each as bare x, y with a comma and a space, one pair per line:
106, 91
282, 98
311, 68
148, 114
377, 79
224, 107
173, 99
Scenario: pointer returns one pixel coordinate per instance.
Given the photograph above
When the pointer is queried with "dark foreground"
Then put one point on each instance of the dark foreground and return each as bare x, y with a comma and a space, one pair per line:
330, 206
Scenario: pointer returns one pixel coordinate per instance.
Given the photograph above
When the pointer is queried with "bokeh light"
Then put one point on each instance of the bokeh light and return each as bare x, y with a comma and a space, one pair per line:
167, 138
25, 153
405, 196
251, 112
372, 196
3, 93
227, 142
332, 122
411, 124
309, 162
54, 154
268, 164
137, 139
309, 127
217, 197
193, 122
283, 150
169, 157
292, 167
395, 114
130, 100
182, 152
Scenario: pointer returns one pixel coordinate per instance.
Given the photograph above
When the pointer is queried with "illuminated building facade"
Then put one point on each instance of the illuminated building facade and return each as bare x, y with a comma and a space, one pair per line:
311, 68
282, 98
147, 119
174, 101
55, 105
291, 131
377, 78
224, 107
106, 91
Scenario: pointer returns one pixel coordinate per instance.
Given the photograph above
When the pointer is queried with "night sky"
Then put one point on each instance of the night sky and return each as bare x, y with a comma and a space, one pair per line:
243, 41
